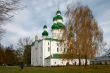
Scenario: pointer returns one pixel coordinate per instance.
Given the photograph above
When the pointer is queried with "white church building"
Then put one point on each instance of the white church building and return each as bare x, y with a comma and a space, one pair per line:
48, 50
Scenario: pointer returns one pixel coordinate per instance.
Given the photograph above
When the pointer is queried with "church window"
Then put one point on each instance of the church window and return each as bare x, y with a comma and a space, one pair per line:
57, 49
48, 48
55, 62
57, 44
48, 43
62, 62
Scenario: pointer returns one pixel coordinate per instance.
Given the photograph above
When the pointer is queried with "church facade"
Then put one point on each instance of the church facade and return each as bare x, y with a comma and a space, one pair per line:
48, 51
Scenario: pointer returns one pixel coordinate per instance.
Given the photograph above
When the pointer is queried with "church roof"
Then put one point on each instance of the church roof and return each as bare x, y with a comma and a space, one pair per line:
45, 26
58, 26
58, 12
33, 43
55, 26
55, 56
61, 26
57, 17
45, 33
52, 39
102, 58
45, 39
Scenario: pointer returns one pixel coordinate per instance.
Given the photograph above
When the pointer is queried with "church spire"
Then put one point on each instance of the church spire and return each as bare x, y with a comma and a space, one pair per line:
45, 33
58, 21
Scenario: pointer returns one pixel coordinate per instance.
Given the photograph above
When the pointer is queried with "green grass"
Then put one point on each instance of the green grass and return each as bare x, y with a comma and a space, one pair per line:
73, 69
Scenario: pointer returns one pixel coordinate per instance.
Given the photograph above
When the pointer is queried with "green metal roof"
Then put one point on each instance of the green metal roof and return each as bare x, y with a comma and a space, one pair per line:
54, 18
57, 26
45, 33
33, 43
53, 39
57, 17
58, 12
55, 56
45, 26
61, 26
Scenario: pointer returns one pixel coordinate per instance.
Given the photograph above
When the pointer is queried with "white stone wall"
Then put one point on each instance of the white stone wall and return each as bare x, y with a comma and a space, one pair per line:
46, 48
57, 34
61, 62
50, 47
47, 62
40, 51
37, 54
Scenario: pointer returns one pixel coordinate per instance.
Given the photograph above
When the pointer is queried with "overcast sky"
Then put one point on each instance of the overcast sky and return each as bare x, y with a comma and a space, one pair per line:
29, 22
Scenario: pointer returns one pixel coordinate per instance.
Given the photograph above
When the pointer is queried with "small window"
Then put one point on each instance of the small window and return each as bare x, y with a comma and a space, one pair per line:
57, 49
54, 62
48, 48
57, 44
62, 62
48, 43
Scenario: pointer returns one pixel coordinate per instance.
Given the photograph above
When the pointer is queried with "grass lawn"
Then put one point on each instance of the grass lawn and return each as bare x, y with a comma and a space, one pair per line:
73, 69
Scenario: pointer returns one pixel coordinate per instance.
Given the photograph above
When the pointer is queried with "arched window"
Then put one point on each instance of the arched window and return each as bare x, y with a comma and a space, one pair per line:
57, 49
48, 48
48, 43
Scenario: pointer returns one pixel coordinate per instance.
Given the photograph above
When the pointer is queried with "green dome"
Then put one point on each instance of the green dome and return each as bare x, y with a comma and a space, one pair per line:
55, 26
45, 33
57, 17
61, 26
44, 26
54, 18
58, 26
58, 12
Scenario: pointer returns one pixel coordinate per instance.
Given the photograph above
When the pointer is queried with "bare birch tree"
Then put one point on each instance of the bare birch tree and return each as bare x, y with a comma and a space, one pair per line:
85, 37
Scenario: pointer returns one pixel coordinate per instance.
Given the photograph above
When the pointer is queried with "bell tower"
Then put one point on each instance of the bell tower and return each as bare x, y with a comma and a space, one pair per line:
58, 26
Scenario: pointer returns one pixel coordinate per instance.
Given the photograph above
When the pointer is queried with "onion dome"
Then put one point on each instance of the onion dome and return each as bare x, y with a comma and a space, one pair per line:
59, 21
57, 26
58, 12
54, 18
45, 27
45, 33
61, 26
57, 18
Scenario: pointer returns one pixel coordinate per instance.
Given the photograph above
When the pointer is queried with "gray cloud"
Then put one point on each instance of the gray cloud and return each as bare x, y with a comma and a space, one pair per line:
30, 21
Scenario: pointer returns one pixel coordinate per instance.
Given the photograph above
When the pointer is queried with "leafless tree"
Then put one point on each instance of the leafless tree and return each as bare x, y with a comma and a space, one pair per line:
23, 44
82, 34
6, 9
